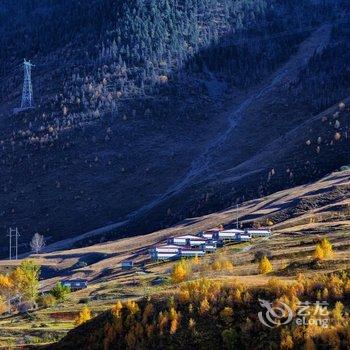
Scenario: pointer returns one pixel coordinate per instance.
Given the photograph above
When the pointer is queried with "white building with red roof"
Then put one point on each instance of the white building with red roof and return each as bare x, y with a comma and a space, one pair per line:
165, 252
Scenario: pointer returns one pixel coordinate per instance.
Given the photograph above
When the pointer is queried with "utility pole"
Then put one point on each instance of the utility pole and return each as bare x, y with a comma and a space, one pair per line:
13, 232
16, 236
237, 223
10, 245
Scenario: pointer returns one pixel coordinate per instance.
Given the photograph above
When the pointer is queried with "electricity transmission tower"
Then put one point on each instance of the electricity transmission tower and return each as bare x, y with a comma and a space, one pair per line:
13, 233
27, 92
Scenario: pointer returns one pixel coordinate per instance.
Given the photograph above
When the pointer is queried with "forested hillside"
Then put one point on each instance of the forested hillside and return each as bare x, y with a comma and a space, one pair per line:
209, 314
145, 109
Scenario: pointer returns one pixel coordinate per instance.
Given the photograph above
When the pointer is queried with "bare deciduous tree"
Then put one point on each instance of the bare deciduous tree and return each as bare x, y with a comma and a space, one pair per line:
37, 243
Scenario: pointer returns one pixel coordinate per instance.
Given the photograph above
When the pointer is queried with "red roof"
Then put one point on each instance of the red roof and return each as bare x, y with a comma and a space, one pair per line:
192, 249
164, 245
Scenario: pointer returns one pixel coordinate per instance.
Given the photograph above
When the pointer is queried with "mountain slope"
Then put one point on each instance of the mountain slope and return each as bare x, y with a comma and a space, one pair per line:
150, 112
302, 216
318, 207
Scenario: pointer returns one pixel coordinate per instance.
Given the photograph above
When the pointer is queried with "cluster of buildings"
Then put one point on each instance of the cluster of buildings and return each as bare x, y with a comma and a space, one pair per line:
186, 246
206, 242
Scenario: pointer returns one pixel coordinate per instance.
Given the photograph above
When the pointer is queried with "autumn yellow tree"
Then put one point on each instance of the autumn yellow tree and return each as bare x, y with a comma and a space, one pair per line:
84, 316
163, 319
338, 312
26, 280
309, 344
174, 320
6, 289
222, 265
132, 306
265, 266
184, 296
116, 310
323, 250
204, 306
147, 312
319, 254
130, 339
3, 306
180, 272
196, 260
287, 342
191, 324
227, 265
327, 248
325, 294
216, 265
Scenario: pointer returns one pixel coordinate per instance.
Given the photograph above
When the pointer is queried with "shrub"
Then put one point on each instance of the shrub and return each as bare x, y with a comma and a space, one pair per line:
226, 314
47, 301
230, 339
261, 253
60, 292
83, 300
